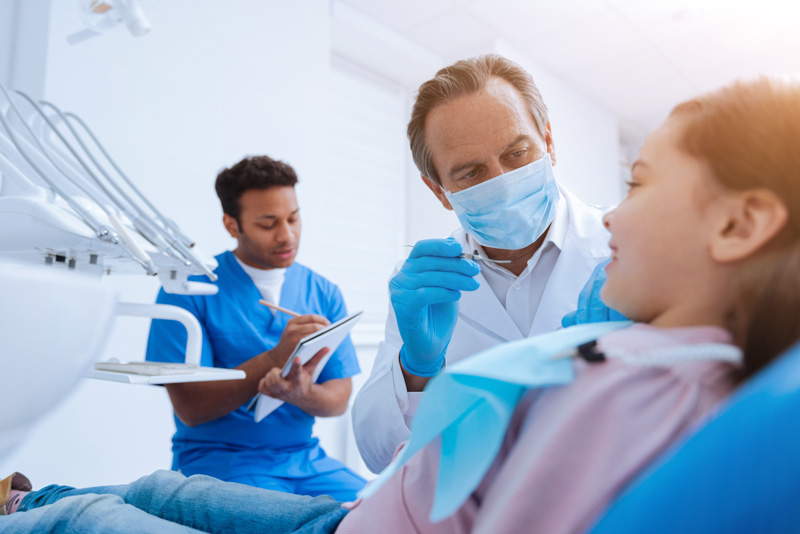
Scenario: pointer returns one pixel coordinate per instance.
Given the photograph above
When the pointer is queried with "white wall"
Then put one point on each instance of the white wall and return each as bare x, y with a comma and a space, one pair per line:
396, 59
23, 44
7, 16
586, 136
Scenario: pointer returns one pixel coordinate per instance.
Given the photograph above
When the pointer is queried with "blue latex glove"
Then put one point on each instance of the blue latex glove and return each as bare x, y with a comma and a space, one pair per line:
590, 307
424, 295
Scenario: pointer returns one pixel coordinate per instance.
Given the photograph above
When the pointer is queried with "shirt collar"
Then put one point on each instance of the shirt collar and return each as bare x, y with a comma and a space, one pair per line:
267, 276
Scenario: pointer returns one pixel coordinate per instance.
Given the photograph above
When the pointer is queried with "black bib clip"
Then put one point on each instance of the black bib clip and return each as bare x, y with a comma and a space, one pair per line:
588, 351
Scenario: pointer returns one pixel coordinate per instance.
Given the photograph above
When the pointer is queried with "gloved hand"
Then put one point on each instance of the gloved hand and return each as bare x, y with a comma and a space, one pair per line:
590, 307
424, 295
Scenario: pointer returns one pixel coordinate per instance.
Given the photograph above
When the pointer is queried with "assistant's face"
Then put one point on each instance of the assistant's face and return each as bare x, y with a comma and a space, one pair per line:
269, 227
480, 136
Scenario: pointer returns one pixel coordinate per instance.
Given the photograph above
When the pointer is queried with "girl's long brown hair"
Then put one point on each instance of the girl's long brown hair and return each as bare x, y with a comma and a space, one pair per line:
749, 134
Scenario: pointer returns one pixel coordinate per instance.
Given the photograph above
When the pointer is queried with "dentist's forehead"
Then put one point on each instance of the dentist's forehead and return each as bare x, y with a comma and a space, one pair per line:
478, 125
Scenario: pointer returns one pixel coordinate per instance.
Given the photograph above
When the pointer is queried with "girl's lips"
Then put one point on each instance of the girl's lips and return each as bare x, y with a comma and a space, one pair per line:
613, 252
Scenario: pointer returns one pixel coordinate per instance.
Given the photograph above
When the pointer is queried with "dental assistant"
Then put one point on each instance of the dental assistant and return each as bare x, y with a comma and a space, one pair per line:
481, 138
215, 434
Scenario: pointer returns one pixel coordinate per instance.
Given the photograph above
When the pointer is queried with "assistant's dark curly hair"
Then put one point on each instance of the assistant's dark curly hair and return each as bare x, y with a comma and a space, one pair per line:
256, 172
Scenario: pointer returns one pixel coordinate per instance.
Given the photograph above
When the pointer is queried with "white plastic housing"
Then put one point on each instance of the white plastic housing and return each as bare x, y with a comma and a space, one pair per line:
53, 325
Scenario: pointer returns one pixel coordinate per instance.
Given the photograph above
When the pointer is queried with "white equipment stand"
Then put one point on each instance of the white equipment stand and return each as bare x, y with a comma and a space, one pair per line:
194, 341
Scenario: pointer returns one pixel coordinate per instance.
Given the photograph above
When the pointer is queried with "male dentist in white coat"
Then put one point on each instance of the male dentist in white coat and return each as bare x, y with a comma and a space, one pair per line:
481, 138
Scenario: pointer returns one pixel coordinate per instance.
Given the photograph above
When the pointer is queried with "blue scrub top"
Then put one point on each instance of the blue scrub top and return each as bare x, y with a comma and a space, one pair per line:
236, 328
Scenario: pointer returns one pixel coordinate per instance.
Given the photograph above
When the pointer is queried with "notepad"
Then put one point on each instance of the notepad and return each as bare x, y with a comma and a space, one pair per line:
330, 337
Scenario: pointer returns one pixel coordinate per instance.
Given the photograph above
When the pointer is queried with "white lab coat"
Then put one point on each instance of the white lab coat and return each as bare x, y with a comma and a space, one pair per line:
381, 412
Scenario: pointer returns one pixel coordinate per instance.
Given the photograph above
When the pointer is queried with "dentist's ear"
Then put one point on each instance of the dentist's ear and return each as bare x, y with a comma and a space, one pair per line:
438, 191
551, 145
749, 220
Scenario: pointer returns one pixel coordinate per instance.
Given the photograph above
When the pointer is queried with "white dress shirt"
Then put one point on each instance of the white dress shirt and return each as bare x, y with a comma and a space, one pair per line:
521, 295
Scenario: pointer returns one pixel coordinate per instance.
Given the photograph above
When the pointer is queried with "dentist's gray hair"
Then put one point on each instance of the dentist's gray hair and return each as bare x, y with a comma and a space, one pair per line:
463, 78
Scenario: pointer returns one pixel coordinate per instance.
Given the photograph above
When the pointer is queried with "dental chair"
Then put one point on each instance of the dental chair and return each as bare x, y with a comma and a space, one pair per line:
739, 473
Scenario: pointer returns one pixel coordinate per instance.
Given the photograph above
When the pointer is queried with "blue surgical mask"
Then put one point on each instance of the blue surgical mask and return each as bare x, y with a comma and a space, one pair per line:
512, 210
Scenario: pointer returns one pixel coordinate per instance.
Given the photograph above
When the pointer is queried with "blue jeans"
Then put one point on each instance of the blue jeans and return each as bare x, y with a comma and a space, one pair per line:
342, 484
167, 502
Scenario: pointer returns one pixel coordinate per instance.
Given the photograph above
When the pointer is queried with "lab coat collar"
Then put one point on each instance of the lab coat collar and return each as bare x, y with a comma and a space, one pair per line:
585, 245
555, 237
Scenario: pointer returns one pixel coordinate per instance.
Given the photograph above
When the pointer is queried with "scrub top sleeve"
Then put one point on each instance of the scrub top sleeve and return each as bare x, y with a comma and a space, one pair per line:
344, 362
167, 339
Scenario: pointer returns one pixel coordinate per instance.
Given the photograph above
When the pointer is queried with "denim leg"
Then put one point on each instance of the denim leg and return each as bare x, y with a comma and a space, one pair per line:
53, 493
88, 514
212, 506
265, 482
342, 485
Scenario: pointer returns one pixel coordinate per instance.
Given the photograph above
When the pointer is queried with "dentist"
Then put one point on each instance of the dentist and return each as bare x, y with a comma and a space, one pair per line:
481, 138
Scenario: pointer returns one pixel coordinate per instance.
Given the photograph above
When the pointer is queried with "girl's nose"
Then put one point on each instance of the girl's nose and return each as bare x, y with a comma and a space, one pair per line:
607, 219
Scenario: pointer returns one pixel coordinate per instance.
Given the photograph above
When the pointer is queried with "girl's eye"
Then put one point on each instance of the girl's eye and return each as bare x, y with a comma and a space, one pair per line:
631, 184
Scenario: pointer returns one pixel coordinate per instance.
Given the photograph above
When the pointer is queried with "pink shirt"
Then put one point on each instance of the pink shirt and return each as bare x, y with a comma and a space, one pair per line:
568, 450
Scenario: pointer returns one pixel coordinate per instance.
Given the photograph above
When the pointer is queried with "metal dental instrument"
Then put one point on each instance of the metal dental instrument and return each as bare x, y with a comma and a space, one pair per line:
168, 223
474, 257
160, 232
158, 236
102, 231
42, 151
173, 234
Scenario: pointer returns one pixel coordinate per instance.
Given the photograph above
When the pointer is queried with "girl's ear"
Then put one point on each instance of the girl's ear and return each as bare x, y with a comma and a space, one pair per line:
748, 221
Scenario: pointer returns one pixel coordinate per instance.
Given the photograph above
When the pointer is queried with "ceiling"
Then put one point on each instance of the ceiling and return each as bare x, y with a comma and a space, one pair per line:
636, 58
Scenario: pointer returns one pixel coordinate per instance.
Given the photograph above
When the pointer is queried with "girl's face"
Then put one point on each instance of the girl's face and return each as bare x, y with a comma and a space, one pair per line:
661, 271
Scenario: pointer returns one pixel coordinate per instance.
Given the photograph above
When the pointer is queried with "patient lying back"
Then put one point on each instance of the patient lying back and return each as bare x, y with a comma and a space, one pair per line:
569, 450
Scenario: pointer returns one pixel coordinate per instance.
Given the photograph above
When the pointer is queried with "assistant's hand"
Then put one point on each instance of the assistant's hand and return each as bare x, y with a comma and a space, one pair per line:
296, 329
591, 308
424, 295
296, 386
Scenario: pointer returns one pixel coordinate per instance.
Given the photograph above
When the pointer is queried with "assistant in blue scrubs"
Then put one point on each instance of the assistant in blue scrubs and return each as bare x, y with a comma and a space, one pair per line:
279, 452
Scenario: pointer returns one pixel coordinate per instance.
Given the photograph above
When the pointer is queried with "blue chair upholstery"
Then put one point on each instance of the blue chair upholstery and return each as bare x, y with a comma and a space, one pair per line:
739, 473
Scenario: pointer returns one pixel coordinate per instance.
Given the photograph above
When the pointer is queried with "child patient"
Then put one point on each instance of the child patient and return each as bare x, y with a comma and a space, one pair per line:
705, 249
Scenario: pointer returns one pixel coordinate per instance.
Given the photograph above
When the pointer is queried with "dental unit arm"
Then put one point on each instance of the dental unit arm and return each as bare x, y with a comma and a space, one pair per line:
68, 217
